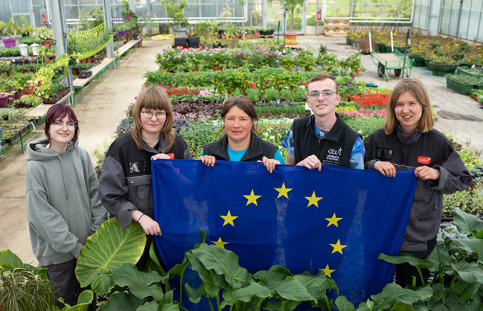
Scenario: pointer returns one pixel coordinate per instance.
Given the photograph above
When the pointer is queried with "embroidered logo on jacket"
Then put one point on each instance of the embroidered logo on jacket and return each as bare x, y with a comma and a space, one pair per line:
333, 156
424, 160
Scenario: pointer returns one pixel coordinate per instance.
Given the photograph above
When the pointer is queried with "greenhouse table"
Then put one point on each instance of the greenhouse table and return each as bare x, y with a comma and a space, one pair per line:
125, 49
97, 69
387, 61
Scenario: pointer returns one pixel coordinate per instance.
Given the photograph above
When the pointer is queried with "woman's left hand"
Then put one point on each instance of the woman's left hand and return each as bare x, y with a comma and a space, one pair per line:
269, 163
426, 172
160, 156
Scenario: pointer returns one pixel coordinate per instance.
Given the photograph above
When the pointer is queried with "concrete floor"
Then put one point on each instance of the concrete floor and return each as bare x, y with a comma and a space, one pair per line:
105, 102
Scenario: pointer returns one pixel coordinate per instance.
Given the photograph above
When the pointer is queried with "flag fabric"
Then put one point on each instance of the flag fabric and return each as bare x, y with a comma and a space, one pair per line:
338, 220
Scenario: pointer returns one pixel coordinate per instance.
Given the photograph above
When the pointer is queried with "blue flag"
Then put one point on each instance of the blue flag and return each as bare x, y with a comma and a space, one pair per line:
338, 220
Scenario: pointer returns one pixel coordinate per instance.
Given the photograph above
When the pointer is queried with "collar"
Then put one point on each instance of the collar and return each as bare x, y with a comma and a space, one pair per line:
254, 150
334, 133
162, 144
411, 138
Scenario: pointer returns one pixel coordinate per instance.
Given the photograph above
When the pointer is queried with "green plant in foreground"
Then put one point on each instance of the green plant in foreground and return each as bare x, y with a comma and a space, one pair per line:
456, 268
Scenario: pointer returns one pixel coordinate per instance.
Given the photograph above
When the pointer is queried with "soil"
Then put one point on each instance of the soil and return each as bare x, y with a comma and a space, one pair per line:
105, 102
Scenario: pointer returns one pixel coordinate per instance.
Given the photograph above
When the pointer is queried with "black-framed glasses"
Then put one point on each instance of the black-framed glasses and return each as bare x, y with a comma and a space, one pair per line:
149, 114
326, 93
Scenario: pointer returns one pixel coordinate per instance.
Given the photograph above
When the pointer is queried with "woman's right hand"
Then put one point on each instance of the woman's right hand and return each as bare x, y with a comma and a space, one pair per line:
385, 168
207, 160
150, 226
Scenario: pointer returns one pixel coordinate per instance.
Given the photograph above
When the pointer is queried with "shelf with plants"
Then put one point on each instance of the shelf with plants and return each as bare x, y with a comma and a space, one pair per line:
86, 43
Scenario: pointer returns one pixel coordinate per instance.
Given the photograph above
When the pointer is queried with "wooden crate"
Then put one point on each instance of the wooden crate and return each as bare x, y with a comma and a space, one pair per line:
336, 26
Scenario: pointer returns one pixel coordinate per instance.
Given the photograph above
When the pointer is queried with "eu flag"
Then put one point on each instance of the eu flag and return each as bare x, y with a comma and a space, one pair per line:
338, 220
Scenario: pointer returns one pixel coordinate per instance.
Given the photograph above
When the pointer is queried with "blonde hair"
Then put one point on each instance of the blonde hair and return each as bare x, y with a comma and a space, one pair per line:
417, 89
155, 98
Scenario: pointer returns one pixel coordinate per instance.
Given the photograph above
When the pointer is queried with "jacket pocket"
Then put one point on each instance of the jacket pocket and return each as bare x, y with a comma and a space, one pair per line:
140, 193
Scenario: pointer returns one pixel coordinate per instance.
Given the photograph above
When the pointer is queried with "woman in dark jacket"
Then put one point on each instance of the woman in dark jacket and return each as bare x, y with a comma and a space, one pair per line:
409, 141
240, 142
125, 184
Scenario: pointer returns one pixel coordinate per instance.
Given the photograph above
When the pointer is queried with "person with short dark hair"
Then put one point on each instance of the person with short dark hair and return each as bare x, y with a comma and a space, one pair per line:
323, 137
241, 143
63, 203
409, 141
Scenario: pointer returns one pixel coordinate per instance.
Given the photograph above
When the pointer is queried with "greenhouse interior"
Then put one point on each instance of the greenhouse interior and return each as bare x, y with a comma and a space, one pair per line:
344, 248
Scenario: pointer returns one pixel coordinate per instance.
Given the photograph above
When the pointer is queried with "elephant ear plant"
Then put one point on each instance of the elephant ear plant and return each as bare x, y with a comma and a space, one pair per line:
107, 265
455, 265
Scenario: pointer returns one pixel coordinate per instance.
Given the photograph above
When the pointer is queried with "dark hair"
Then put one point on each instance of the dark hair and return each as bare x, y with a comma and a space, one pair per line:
153, 97
57, 112
245, 104
321, 77
417, 89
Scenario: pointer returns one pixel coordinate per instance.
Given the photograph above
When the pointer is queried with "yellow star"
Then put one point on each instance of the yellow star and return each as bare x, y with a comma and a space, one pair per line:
220, 243
327, 271
283, 191
313, 200
333, 220
252, 198
229, 219
337, 247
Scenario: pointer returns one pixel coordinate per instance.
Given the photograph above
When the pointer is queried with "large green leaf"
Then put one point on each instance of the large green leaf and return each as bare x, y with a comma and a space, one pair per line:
120, 301
317, 285
10, 261
402, 258
273, 277
452, 302
107, 250
211, 281
223, 262
464, 290
469, 271
343, 304
467, 223
470, 244
194, 294
292, 289
281, 305
245, 294
148, 306
438, 257
83, 302
393, 293
139, 283
170, 307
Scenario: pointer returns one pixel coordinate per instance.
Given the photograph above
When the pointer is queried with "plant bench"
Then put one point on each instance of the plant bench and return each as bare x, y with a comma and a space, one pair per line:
125, 49
98, 69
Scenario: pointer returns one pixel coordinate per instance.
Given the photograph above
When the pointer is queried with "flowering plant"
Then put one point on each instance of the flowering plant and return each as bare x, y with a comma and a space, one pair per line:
370, 99
42, 33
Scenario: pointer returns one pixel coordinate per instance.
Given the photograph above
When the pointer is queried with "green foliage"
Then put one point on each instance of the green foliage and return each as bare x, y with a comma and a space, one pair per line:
456, 268
42, 33
22, 286
176, 10
107, 250
200, 133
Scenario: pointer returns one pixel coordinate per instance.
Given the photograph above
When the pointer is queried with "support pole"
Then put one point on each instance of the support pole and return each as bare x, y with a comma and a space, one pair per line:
59, 28
106, 7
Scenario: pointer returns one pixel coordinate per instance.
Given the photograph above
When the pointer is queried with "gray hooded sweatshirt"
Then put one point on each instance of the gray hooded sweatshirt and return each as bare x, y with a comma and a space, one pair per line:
63, 204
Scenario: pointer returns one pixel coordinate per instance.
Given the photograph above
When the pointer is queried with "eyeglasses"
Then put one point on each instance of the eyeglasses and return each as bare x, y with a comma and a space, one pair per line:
60, 125
326, 93
149, 114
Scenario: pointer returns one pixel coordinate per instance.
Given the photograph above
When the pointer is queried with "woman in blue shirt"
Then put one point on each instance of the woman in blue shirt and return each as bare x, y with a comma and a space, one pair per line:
240, 142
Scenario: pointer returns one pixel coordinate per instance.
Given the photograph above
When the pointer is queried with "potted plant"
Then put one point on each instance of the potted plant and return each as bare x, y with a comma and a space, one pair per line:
10, 29
43, 35
291, 6
176, 10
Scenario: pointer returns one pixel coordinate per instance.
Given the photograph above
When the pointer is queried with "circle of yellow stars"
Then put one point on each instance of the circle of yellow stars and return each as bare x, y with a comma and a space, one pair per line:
283, 192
